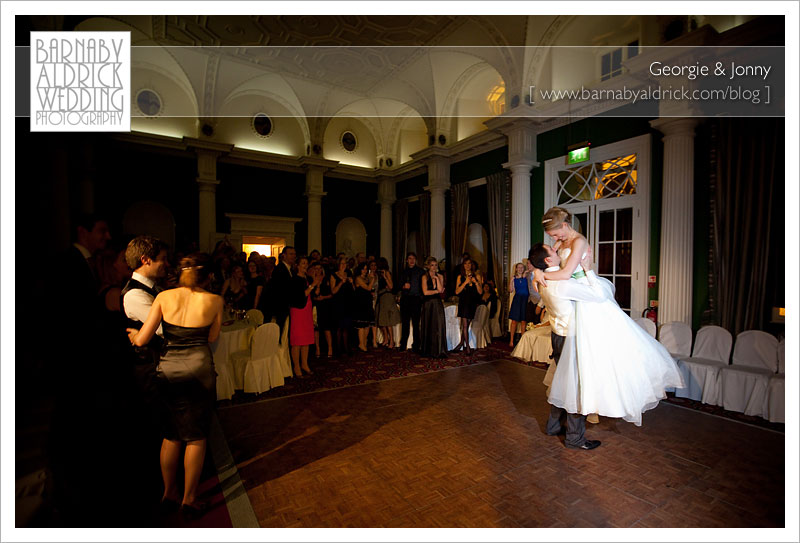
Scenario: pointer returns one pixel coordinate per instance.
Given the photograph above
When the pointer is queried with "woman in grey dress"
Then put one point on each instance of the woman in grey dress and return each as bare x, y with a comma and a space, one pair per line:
388, 314
191, 318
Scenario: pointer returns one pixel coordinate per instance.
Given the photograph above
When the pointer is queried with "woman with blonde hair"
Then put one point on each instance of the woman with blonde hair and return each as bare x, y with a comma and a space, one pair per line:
609, 364
191, 318
433, 335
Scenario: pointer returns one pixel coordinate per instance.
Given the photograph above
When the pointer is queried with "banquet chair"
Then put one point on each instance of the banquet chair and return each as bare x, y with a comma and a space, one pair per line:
535, 345
648, 325
701, 371
452, 326
225, 381
677, 338
776, 393
262, 368
478, 330
494, 324
255, 316
744, 385
283, 351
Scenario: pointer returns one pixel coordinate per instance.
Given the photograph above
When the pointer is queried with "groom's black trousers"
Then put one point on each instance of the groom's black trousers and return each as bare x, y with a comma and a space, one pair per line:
576, 423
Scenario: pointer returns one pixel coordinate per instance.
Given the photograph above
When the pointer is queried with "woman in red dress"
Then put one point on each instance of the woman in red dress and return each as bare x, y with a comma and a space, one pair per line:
301, 327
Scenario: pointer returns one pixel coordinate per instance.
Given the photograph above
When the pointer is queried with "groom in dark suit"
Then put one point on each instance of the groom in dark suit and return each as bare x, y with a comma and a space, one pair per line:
559, 298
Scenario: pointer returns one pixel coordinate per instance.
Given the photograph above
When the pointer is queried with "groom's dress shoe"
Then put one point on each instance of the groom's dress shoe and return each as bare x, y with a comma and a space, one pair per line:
588, 445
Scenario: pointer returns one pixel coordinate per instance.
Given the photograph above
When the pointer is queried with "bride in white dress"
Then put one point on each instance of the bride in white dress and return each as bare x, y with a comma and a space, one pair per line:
609, 364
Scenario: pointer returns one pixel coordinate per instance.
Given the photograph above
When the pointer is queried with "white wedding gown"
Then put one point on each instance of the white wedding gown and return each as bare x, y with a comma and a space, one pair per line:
609, 364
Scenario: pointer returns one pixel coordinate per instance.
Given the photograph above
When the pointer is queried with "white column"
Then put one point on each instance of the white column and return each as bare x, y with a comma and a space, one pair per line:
438, 183
386, 197
521, 159
677, 224
314, 194
520, 210
207, 185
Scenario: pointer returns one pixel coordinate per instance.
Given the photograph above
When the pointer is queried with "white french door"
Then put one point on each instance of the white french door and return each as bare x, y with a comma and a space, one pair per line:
609, 198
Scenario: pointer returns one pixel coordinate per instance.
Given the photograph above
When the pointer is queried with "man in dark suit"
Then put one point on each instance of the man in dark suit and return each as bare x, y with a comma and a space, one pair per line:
410, 300
81, 414
280, 285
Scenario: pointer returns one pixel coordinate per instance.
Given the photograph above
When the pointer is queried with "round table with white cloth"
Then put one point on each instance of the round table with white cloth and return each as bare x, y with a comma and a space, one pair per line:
233, 337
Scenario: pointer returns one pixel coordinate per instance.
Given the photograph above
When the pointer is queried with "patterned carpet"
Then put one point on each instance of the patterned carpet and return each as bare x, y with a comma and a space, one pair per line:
380, 364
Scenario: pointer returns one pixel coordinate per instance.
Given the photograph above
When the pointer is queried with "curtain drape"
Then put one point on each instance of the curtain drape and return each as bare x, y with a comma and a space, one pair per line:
746, 152
459, 221
424, 244
400, 234
498, 198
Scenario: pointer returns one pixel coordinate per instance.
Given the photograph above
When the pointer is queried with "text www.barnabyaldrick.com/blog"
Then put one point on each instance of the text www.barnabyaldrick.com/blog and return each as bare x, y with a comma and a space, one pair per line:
732, 92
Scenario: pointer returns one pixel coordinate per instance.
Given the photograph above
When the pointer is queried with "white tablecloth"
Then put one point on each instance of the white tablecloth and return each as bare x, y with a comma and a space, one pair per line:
232, 338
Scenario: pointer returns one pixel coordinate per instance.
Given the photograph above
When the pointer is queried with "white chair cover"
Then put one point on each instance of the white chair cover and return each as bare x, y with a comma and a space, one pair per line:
648, 325
701, 372
534, 345
283, 352
757, 349
452, 326
677, 338
494, 324
263, 370
782, 356
225, 381
745, 384
777, 398
255, 317
478, 329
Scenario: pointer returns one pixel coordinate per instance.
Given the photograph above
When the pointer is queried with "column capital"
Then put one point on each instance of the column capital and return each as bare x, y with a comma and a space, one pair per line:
521, 134
387, 194
522, 167
206, 184
314, 196
437, 189
675, 126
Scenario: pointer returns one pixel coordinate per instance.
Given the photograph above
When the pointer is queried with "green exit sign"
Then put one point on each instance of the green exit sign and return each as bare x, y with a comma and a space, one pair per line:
580, 154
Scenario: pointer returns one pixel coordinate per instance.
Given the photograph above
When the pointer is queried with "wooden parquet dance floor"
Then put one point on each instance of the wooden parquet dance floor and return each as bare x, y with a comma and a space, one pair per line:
467, 448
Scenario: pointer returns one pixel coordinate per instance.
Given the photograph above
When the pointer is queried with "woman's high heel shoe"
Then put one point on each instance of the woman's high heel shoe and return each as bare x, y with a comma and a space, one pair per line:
457, 348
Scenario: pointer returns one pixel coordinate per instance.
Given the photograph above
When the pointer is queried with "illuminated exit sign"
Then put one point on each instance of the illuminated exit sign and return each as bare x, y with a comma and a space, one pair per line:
578, 153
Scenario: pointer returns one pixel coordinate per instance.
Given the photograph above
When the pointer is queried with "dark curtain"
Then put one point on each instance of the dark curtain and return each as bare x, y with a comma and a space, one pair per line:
747, 154
498, 197
400, 234
459, 221
424, 244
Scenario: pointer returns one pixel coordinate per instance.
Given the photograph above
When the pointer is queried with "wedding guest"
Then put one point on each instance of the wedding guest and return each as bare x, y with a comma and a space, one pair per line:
433, 335
301, 327
410, 300
469, 285
279, 285
364, 314
254, 283
519, 287
386, 311
372, 266
341, 282
321, 298
191, 318
234, 290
